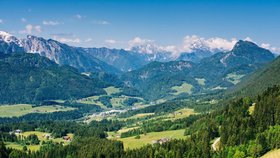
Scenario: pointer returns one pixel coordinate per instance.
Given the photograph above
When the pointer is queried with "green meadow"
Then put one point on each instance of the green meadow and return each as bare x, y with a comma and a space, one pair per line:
17, 110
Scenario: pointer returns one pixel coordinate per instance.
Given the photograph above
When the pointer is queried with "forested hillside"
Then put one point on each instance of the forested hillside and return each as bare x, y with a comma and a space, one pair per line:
28, 78
246, 127
259, 81
218, 72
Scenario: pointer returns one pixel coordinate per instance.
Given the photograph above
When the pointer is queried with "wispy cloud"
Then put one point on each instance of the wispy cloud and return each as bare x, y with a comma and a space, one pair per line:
62, 34
50, 23
193, 42
79, 16
271, 48
144, 45
1, 21
139, 41
38, 28
189, 44
23, 20
67, 40
101, 22
110, 41
249, 39
88, 39
29, 29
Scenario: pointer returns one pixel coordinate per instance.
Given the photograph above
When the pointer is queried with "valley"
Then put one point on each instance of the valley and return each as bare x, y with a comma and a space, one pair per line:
148, 79
173, 103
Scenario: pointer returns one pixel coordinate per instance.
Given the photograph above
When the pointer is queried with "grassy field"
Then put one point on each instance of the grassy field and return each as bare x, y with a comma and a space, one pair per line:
92, 100
179, 114
272, 154
132, 143
23, 109
116, 101
112, 90
200, 81
40, 137
20, 147
251, 109
182, 113
117, 134
141, 115
184, 88
234, 78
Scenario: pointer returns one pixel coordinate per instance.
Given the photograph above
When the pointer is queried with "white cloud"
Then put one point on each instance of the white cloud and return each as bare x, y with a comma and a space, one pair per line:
150, 47
66, 40
248, 39
110, 41
143, 45
51, 23
79, 16
1, 21
189, 44
38, 29
265, 45
88, 39
102, 22
29, 29
23, 20
138, 41
193, 42
171, 48
271, 48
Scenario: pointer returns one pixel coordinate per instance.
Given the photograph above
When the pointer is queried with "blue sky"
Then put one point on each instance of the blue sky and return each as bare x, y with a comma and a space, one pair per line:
113, 23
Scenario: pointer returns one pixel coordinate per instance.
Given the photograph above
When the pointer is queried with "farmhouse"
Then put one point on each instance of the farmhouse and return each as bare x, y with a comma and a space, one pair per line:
67, 138
18, 131
161, 141
46, 136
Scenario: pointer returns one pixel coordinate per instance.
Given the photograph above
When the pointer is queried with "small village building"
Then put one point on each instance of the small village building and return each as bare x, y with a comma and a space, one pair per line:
67, 138
18, 131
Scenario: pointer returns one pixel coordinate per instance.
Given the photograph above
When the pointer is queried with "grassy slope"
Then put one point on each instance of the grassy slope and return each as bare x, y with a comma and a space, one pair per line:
184, 88
272, 154
201, 81
40, 137
234, 78
133, 143
182, 113
23, 109
112, 90
141, 115
116, 101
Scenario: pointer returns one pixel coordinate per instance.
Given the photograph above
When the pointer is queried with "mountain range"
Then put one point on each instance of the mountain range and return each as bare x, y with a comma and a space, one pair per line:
155, 74
97, 59
217, 72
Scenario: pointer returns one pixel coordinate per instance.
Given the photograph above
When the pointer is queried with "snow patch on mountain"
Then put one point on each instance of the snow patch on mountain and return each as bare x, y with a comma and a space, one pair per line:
8, 38
190, 44
215, 44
